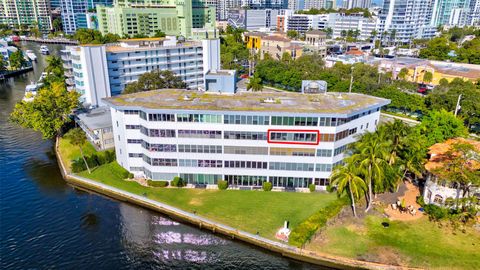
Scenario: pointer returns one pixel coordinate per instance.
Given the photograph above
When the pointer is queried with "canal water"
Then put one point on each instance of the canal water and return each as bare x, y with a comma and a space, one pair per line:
47, 224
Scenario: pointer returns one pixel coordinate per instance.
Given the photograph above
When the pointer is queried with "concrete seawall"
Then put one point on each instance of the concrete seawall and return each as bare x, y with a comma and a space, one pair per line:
178, 214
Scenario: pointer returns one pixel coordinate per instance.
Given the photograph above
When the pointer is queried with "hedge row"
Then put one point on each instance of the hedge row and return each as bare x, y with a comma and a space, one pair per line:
157, 183
97, 159
304, 231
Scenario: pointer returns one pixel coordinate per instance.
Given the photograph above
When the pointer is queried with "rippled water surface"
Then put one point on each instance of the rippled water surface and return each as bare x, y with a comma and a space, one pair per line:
45, 223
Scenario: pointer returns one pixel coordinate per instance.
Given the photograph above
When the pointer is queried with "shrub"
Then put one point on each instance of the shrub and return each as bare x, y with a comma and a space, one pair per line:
435, 212
222, 185
125, 174
78, 165
109, 156
157, 183
307, 228
177, 182
312, 187
130, 176
267, 186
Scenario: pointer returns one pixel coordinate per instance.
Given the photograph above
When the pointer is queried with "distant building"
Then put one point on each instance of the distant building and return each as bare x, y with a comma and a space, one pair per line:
438, 189
29, 12
252, 19
474, 15
296, 4
97, 125
315, 42
319, 4
406, 19
75, 13
349, 4
342, 23
100, 71
221, 81
450, 12
291, 140
6, 50
276, 46
172, 17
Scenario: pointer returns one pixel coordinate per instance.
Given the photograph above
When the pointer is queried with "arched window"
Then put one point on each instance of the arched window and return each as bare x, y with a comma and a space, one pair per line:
438, 199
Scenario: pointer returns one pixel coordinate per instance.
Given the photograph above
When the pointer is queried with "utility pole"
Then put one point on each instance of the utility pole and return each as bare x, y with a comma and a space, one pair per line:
351, 81
457, 108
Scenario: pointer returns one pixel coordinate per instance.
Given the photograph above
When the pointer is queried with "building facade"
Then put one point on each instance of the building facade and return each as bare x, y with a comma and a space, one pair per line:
101, 71
29, 12
341, 23
173, 17
289, 139
97, 125
407, 19
254, 19
277, 45
450, 12
349, 4
75, 13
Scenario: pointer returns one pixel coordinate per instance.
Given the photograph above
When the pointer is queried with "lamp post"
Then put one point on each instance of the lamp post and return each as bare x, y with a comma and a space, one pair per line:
351, 81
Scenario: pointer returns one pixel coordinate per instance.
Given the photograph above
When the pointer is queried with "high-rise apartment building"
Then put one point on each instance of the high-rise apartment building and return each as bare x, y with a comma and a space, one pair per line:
75, 13
406, 19
474, 15
450, 12
289, 139
99, 71
349, 4
189, 18
296, 4
318, 4
29, 12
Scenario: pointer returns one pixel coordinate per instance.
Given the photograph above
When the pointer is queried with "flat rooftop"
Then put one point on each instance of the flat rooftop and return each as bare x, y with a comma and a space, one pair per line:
180, 99
96, 118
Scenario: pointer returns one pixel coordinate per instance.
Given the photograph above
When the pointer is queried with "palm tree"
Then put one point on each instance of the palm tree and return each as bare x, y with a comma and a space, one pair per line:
397, 131
255, 84
55, 66
346, 179
78, 138
372, 155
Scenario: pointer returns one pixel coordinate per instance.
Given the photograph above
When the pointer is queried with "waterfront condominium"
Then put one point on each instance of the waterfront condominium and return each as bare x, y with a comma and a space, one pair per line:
29, 12
289, 139
450, 12
188, 18
98, 71
75, 13
404, 20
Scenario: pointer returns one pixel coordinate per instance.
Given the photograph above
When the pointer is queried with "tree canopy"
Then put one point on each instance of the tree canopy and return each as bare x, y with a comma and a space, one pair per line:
156, 79
438, 126
17, 60
48, 112
233, 51
92, 36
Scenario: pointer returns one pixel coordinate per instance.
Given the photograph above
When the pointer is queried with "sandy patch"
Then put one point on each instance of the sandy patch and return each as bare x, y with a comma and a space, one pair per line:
410, 198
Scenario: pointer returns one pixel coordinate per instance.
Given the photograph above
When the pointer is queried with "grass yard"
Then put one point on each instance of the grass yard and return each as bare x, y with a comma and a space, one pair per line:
250, 211
419, 243
69, 152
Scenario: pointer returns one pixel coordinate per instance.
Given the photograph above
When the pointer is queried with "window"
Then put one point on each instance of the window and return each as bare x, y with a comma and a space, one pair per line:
290, 182
319, 167
341, 135
290, 166
132, 126
324, 153
340, 150
134, 141
438, 199
135, 155
211, 149
161, 117
166, 162
246, 164
206, 134
245, 180
201, 179
246, 150
285, 151
246, 119
322, 181
200, 163
163, 133
245, 135
294, 121
159, 147
293, 136
199, 118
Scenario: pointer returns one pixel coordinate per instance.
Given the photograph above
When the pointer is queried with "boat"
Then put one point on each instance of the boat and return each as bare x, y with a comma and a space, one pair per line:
42, 77
31, 55
31, 91
44, 49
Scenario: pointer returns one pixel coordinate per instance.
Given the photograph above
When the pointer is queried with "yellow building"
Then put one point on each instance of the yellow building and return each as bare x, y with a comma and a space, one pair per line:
254, 40
439, 69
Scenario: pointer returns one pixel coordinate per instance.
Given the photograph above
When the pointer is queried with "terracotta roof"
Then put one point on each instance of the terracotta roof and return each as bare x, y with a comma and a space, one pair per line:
439, 157
255, 34
276, 38
354, 51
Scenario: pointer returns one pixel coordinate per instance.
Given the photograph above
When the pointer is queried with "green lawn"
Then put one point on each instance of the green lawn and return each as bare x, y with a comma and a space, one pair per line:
250, 211
69, 152
419, 243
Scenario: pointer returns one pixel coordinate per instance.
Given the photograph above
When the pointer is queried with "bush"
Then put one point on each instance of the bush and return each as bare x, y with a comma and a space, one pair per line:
125, 174
78, 165
312, 187
177, 182
267, 186
109, 156
307, 228
130, 176
157, 183
435, 212
222, 184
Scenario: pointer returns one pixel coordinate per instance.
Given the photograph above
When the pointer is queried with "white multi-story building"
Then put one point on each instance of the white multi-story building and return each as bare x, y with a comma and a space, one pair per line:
474, 15
29, 12
407, 19
319, 4
349, 4
101, 71
289, 139
340, 22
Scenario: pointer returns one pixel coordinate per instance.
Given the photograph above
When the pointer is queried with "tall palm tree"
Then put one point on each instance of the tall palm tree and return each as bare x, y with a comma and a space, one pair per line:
55, 66
346, 180
372, 156
396, 132
78, 138
255, 84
